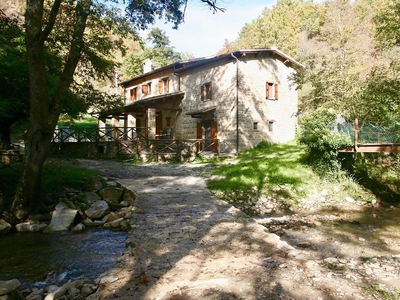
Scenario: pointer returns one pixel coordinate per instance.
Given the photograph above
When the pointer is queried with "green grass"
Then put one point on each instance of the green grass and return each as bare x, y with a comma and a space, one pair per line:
278, 172
83, 122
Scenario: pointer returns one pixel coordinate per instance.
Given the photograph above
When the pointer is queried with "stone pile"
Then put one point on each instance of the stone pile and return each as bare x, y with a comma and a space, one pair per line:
80, 289
109, 207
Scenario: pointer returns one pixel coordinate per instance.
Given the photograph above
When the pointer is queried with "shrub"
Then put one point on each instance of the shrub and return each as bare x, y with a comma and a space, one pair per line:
323, 142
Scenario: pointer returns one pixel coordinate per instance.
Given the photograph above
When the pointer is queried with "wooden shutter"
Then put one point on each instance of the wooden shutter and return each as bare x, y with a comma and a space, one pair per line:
267, 90
166, 87
199, 136
214, 135
202, 93
276, 91
133, 94
145, 89
160, 86
210, 91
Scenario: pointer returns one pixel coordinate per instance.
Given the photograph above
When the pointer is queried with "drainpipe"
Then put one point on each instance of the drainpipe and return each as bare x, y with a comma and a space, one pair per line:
237, 103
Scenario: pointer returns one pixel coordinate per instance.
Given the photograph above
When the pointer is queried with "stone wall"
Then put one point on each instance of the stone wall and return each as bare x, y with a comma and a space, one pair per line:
259, 118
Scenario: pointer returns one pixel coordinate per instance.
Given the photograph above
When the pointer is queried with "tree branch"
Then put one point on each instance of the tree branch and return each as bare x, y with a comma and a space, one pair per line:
213, 5
52, 19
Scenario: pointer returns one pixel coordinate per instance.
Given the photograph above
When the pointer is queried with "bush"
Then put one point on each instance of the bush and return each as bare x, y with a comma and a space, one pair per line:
323, 142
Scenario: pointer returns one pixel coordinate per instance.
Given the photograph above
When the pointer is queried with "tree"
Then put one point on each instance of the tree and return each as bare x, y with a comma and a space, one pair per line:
161, 54
388, 23
280, 27
339, 59
79, 31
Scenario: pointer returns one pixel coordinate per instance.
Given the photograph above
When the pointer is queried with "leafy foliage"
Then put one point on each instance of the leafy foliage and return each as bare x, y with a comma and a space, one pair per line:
388, 23
322, 142
161, 54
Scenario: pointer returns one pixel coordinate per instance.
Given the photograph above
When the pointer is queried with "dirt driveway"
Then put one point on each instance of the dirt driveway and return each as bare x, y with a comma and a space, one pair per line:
187, 244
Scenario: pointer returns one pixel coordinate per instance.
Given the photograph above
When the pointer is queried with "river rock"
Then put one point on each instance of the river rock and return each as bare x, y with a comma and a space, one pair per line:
7, 287
129, 197
62, 219
78, 228
73, 293
4, 227
97, 210
56, 294
35, 294
112, 194
88, 289
94, 184
34, 297
92, 197
112, 216
28, 227
113, 224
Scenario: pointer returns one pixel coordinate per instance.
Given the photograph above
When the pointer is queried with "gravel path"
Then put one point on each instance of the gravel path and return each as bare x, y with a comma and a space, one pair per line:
187, 244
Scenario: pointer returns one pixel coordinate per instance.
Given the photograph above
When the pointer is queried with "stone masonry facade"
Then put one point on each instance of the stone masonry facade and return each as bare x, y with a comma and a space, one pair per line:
239, 98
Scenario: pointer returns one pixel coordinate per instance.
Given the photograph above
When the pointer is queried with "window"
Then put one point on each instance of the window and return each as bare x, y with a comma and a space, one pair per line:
206, 91
146, 89
133, 94
163, 86
255, 125
271, 90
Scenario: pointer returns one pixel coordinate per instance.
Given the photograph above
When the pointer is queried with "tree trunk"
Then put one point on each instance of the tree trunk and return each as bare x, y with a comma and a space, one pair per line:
5, 136
44, 112
28, 199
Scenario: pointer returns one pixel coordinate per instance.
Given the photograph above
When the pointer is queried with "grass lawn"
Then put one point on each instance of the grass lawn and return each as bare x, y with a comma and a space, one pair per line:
280, 173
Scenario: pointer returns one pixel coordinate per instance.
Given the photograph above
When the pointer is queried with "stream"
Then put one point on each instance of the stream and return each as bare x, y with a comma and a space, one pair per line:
38, 259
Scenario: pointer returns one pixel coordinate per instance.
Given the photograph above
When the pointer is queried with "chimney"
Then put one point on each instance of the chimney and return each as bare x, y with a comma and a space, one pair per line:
147, 66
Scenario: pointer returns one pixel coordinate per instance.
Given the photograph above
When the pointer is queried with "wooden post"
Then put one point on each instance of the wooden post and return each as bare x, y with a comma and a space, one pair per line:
356, 135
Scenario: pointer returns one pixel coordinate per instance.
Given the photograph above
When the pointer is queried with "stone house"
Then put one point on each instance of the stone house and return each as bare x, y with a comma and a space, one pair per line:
227, 103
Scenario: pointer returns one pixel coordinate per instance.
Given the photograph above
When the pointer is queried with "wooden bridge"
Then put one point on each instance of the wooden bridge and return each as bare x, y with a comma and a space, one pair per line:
373, 137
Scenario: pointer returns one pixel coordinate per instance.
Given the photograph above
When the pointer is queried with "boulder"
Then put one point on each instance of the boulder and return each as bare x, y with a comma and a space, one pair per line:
112, 194
4, 227
97, 210
63, 218
28, 227
7, 287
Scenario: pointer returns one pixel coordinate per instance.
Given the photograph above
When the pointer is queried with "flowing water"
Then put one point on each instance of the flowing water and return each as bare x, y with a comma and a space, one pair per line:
38, 259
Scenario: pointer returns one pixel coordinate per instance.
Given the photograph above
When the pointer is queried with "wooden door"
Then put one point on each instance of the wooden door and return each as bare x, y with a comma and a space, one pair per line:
214, 136
199, 136
158, 125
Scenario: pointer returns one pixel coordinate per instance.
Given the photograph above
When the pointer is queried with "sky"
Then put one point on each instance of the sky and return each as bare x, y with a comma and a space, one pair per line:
203, 32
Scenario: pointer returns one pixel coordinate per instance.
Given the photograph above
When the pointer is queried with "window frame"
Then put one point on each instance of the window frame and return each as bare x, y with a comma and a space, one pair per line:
163, 85
146, 88
206, 91
271, 91
133, 94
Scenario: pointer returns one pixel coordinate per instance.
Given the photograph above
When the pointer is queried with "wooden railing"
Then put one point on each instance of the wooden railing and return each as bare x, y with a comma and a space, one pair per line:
95, 134
133, 141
